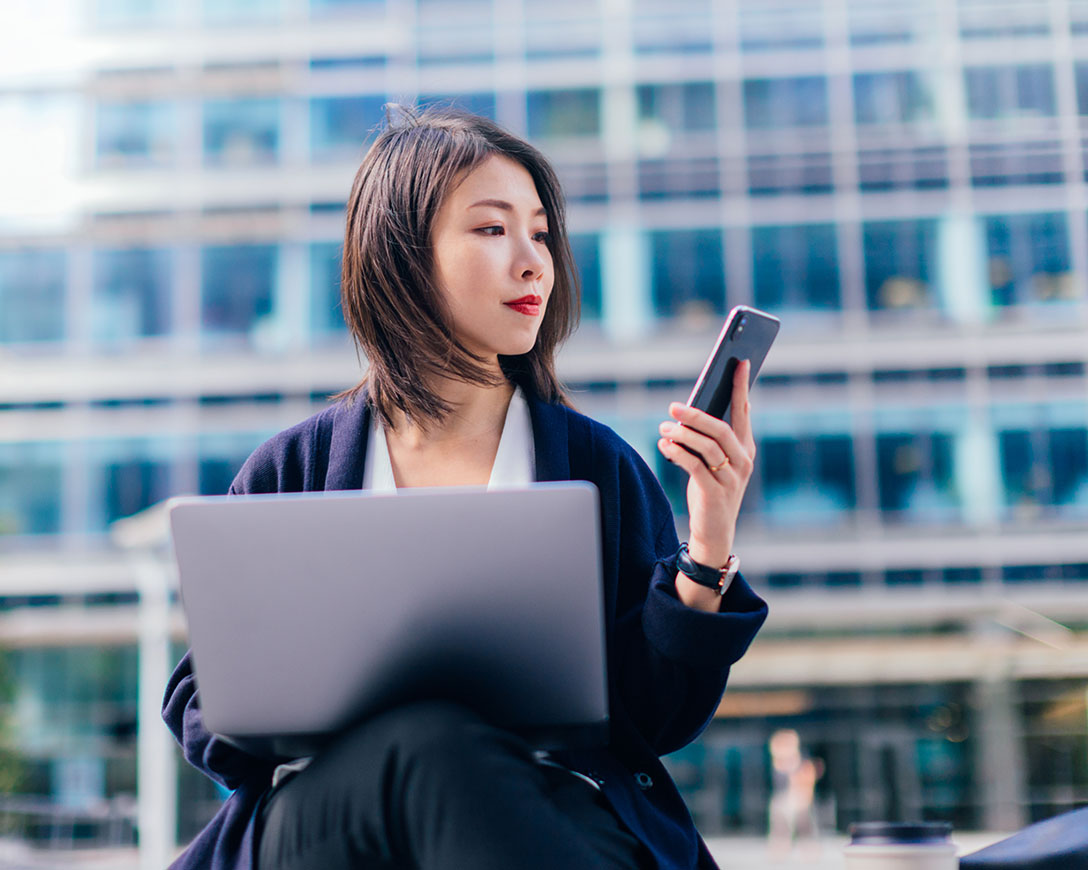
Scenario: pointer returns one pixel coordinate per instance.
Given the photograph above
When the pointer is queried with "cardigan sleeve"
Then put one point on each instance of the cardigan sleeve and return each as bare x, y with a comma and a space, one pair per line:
216, 758
672, 661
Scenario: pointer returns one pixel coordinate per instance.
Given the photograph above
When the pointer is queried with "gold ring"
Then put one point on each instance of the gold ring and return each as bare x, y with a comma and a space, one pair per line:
725, 462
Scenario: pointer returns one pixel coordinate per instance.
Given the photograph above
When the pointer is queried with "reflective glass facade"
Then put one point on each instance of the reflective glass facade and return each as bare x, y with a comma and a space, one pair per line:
32, 295
238, 288
893, 181
135, 134
132, 295
242, 131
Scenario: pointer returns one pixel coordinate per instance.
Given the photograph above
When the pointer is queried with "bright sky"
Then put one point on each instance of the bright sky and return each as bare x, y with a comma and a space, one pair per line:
40, 53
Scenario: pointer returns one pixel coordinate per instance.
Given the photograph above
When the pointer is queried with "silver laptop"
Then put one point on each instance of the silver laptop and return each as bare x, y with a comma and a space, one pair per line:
308, 612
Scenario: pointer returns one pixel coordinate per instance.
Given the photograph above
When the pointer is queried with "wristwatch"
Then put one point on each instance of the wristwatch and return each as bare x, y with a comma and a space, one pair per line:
717, 579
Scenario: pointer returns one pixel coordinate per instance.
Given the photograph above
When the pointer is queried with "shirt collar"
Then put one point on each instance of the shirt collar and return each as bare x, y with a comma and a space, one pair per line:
514, 459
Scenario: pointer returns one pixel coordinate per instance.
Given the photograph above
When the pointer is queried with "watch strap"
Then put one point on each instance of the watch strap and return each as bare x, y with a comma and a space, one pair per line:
718, 579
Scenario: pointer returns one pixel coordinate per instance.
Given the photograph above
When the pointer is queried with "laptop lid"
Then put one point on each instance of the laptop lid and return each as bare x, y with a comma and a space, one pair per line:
310, 611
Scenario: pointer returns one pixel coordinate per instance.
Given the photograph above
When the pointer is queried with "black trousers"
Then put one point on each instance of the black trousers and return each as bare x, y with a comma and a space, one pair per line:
432, 786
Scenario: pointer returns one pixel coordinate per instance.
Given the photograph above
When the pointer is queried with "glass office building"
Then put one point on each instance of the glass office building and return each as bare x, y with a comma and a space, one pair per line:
903, 182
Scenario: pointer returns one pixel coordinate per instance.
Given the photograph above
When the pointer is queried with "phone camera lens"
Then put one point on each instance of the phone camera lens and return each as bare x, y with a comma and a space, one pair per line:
744, 320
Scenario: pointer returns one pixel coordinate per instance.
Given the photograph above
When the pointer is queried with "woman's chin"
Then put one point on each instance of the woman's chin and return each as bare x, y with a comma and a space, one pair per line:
518, 348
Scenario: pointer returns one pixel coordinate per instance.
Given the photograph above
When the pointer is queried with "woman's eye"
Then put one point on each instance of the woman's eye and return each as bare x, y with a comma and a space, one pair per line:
543, 236
491, 231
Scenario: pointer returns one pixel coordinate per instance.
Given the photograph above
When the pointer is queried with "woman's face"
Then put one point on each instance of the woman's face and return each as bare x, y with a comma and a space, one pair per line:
492, 260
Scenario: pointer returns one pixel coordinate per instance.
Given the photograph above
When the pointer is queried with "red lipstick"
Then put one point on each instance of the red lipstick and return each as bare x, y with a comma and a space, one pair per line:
528, 305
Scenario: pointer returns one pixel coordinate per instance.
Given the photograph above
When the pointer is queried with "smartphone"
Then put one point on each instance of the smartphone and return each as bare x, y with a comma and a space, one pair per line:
747, 335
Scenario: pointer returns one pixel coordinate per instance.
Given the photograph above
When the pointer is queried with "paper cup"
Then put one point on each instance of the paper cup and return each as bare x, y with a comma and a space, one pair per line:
901, 846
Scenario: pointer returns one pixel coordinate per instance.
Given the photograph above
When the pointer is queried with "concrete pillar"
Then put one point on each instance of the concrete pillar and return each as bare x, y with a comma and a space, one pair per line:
999, 755
962, 282
978, 472
157, 776
292, 309
627, 309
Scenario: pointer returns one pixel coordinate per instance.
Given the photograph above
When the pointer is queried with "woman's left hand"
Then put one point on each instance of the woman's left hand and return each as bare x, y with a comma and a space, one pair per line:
718, 473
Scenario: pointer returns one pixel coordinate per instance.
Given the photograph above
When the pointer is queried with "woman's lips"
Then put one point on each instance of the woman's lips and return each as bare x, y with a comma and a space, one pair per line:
528, 305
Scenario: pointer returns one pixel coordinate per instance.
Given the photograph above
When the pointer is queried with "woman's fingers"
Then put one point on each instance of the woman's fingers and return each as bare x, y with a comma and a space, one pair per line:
692, 463
740, 413
716, 430
706, 448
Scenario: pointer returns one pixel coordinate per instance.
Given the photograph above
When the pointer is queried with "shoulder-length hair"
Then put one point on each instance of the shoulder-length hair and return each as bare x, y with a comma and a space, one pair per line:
391, 303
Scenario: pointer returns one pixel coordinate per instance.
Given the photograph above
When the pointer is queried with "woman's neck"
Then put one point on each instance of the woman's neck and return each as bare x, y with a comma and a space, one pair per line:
478, 412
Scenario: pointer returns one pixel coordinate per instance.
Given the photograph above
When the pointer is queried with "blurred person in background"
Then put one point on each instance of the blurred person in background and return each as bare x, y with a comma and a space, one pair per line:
792, 809
458, 287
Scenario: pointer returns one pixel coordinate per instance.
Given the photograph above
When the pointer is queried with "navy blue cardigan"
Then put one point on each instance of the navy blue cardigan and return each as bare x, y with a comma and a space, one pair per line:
667, 663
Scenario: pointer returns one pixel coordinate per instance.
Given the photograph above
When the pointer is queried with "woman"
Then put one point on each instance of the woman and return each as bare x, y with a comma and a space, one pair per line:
458, 286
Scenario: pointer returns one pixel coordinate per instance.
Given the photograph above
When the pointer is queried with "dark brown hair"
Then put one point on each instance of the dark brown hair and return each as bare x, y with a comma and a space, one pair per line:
395, 311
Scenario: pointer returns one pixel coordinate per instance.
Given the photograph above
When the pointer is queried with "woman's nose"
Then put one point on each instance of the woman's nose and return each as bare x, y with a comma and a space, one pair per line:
531, 261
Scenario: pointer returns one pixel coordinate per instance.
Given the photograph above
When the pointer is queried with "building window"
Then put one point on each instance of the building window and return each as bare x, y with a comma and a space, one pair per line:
1045, 469
135, 134
915, 477
241, 131
217, 473
233, 11
586, 248
1029, 259
132, 485
1050, 715
557, 114
674, 481
553, 33
349, 63
341, 127
327, 316
459, 33
805, 173
129, 13
1082, 84
891, 98
221, 457
1000, 164
675, 177
795, 267
32, 295
791, 27
131, 475
482, 103
85, 699
996, 20
900, 258
774, 104
238, 287
31, 480
688, 274
677, 107
1010, 92
806, 480
924, 168
671, 28
326, 7
131, 294
878, 24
